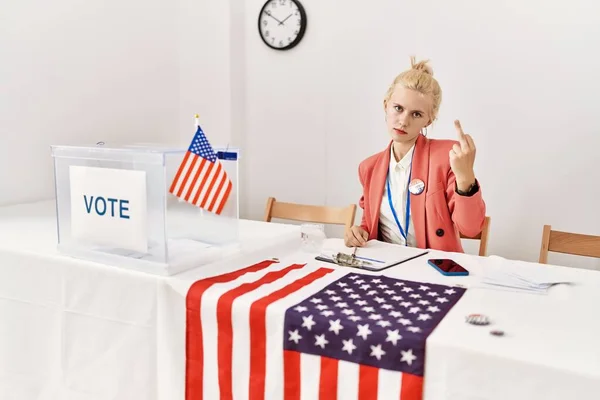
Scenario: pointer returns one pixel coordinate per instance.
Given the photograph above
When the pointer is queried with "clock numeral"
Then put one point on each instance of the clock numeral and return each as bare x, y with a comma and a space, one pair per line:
282, 2
289, 39
296, 32
272, 40
267, 33
299, 23
265, 22
281, 43
274, 4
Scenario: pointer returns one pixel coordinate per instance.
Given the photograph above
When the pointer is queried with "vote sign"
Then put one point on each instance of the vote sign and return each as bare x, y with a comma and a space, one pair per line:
109, 207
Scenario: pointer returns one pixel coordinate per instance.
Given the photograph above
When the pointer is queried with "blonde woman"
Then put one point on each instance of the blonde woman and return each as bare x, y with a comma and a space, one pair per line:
418, 192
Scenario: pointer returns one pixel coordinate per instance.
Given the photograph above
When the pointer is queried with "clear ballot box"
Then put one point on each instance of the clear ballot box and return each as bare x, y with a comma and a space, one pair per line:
113, 206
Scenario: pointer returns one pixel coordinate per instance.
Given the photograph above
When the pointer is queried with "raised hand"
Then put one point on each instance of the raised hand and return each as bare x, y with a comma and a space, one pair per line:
462, 159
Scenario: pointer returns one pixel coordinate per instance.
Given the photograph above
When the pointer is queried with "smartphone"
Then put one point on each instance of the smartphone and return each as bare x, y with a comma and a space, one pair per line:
448, 267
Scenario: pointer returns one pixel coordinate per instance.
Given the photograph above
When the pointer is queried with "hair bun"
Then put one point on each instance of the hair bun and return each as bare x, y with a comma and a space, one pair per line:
421, 66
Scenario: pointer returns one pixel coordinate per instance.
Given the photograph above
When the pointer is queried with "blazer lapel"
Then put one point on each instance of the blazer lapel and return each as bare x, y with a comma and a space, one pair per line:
380, 172
420, 170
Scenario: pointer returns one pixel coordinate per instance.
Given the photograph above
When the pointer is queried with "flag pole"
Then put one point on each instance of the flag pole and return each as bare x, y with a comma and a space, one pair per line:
196, 125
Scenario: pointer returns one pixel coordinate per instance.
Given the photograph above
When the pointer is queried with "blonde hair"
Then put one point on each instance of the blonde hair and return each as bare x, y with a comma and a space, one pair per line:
419, 78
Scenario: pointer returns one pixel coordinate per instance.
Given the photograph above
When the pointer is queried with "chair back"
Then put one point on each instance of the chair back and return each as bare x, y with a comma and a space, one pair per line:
310, 213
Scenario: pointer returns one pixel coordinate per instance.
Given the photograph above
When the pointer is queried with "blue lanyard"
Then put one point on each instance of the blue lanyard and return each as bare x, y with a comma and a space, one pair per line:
389, 196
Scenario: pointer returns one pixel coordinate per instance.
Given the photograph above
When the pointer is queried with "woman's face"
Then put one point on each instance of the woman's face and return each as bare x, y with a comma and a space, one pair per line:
407, 113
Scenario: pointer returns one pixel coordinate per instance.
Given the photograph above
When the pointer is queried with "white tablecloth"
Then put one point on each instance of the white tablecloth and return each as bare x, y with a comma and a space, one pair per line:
79, 330
74, 330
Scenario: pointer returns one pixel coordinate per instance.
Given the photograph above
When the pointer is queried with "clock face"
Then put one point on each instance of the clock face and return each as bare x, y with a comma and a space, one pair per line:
282, 23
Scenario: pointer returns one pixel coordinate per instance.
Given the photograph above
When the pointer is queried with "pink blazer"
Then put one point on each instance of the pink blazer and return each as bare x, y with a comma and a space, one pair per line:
438, 213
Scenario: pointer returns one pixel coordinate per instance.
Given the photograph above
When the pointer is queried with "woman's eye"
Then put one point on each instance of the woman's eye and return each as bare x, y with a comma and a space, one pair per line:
398, 108
417, 115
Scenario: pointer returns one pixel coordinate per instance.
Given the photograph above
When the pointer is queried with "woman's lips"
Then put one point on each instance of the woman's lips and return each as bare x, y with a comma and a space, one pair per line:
400, 132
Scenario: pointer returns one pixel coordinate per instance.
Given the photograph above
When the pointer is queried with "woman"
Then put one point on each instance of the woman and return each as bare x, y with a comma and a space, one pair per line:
418, 192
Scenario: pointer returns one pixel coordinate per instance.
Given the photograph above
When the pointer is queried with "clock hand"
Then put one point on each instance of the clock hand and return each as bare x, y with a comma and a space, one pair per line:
281, 23
269, 14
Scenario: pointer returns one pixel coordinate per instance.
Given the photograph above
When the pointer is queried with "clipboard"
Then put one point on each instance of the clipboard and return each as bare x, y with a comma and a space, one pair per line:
351, 261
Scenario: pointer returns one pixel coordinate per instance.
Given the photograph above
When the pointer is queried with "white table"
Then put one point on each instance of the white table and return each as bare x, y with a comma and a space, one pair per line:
74, 329
79, 330
550, 349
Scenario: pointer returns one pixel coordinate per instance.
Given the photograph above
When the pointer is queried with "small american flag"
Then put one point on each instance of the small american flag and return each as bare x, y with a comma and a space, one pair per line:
276, 331
201, 179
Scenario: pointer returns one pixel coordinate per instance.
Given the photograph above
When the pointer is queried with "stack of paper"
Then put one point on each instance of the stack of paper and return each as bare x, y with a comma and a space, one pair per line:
519, 277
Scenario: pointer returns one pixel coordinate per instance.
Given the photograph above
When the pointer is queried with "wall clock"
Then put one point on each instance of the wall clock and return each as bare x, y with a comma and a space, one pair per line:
282, 23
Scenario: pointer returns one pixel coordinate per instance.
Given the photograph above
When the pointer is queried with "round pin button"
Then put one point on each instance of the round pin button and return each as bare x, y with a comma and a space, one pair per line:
477, 319
416, 186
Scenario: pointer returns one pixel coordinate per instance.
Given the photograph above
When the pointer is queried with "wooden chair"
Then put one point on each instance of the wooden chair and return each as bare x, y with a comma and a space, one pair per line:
309, 213
568, 243
482, 237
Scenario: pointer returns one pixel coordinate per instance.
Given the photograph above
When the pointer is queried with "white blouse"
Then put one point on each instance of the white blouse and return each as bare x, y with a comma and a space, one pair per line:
399, 172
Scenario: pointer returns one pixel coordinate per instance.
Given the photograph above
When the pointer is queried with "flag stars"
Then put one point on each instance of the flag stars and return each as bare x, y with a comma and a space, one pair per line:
441, 300
363, 331
327, 313
365, 286
335, 326
393, 336
342, 284
321, 341
372, 292
404, 321
308, 322
407, 356
379, 300
316, 301
382, 286
348, 290
389, 292
396, 314
294, 336
300, 309
432, 294
387, 306
407, 289
423, 302
355, 318
384, 324
321, 307
398, 298
348, 346
355, 296
423, 287
399, 284
368, 309
360, 302
341, 305
375, 317
433, 309
414, 310
406, 304
330, 292
415, 296
335, 298
348, 311
377, 352
414, 329
449, 291
424, 317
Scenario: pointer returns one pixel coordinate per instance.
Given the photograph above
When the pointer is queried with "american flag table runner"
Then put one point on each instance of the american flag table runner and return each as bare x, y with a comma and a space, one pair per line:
276, 331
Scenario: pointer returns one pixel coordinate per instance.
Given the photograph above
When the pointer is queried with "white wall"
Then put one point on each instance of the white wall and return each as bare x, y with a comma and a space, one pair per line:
521, 76
73, 71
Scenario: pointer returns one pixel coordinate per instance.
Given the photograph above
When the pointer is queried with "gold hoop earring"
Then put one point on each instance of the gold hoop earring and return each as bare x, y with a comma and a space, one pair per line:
424, 131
